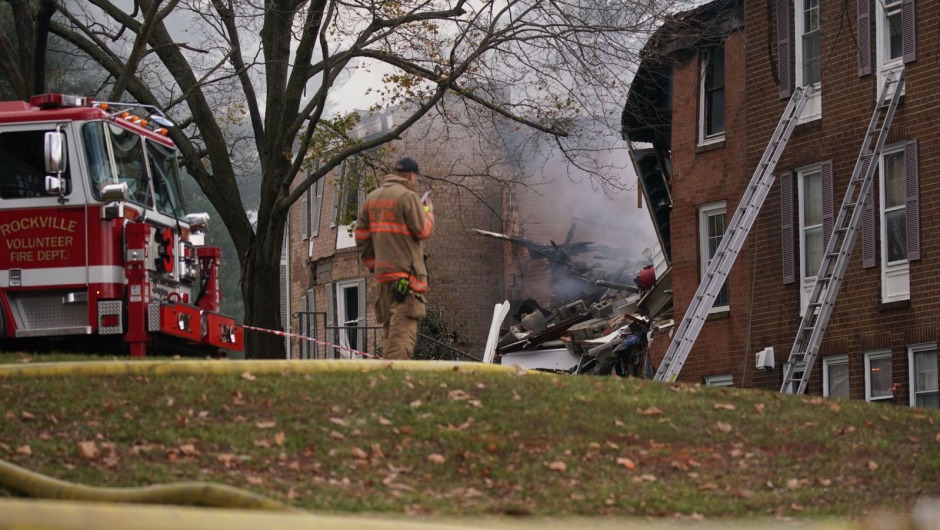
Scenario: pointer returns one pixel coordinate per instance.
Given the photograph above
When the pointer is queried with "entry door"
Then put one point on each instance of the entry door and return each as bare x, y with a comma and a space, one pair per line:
351, 305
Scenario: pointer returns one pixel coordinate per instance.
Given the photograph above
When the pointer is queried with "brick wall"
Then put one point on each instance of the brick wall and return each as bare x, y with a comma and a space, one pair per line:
768, 315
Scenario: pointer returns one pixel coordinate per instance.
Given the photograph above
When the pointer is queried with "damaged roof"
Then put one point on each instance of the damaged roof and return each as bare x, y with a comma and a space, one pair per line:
647, 115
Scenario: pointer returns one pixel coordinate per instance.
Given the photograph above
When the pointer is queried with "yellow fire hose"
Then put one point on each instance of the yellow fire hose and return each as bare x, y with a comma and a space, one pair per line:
33, 484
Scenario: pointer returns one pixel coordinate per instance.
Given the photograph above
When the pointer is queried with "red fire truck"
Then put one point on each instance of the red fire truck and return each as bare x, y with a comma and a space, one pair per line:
96, 247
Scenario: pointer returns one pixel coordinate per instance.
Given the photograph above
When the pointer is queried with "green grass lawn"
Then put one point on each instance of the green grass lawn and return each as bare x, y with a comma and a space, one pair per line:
453, 443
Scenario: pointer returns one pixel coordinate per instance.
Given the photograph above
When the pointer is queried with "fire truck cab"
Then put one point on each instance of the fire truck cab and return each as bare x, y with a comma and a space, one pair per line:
95, 240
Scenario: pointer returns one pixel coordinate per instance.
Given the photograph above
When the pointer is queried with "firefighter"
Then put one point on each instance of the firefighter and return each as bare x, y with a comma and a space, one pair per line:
390, 232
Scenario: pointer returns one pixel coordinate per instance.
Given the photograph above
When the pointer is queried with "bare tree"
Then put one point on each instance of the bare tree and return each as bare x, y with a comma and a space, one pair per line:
544, 65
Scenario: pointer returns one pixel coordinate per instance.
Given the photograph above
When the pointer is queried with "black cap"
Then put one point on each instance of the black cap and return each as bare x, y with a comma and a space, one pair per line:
407, 165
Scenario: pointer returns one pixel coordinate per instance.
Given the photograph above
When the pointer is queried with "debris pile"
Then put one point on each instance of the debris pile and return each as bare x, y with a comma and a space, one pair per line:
616, 307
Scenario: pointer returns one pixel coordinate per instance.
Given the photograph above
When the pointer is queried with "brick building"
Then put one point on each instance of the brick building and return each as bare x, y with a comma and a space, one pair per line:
487, 188
712, 87
326, 288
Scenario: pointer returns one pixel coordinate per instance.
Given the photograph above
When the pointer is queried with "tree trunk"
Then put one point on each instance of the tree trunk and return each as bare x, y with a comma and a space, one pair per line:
261, 288
263, 307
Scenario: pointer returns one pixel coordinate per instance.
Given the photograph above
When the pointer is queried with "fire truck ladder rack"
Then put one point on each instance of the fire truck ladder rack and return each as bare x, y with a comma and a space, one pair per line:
835, 259
732, 240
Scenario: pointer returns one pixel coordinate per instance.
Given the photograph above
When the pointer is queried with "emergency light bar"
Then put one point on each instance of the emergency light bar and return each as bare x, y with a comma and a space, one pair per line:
51, 101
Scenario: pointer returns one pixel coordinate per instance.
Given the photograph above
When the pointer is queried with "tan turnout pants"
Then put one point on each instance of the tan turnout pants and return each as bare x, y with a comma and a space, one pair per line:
399, 321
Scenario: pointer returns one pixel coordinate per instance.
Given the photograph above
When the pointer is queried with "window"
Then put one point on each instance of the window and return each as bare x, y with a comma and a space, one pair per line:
899, 225
23, 165
836, 376
712, 228
350, 300
878, 376
923, 365
719, 380
316, 204
808, 70
814, 187
795, 378
712, 104
895, 38
347, 194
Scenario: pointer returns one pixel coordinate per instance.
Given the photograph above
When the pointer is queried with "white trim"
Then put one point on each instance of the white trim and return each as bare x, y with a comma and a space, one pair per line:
813, 109
705, 211
883, 65
343, 335
869, 357
807, 282
719, 380
702, 103
912, 369
895, 276
56, 276
828, 362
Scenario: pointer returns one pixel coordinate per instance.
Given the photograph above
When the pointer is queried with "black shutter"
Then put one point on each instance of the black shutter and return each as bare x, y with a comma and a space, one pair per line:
786, 227
868, 221
864, 37
908, 31
783, 48
913, 206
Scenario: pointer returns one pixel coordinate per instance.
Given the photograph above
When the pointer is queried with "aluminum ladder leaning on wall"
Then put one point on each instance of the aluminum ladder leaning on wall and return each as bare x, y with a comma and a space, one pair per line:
835, 259
732, 240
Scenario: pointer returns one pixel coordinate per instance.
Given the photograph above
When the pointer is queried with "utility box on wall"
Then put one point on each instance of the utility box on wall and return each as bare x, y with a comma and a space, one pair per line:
764, 359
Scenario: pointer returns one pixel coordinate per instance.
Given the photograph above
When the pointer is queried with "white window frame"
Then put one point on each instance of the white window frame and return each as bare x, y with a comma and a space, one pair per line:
884, 64
912, 352
703, 139
873, 356
807, 282
341, 315
345, 238
813, 109
828, 363
705, 212
719, 380
795, 377
895, 276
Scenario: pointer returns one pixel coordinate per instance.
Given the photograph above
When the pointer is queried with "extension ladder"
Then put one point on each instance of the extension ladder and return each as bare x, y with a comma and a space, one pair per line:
732, 240
835, 259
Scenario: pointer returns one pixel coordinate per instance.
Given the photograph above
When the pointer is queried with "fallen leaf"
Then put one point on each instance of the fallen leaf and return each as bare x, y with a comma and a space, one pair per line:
337, 435
228, 459
835, 407
872, 465
359, 453
256, 481
937, 438
724, 406
339, 421
458, 395
248, 377
264, 442
188, 450
415, 404
824, 482
723, 427
384, 421
436, 458
26, 416
759, 408
708, 486
648, 478
627, 463
558, 465
266, 424
88, 450
793, 483
24, 450
651, 411
279, 438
